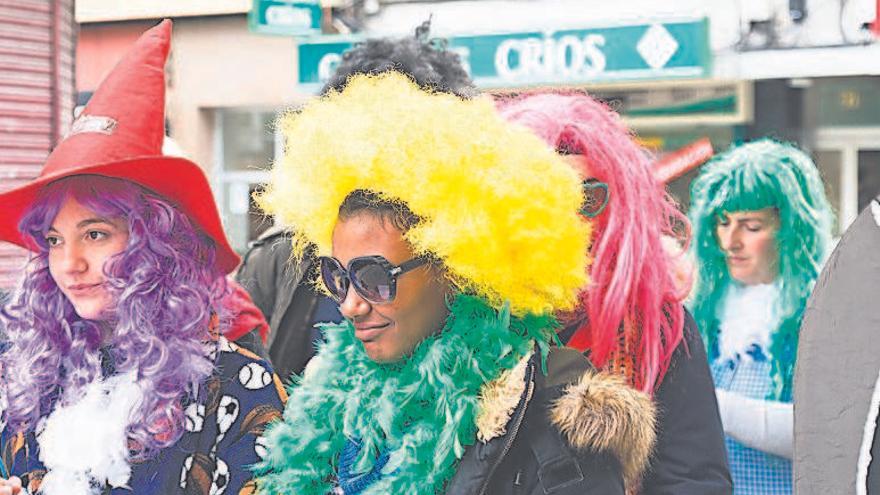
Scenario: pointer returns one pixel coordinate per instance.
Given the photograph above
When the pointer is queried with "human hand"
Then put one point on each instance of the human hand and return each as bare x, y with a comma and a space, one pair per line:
12, 486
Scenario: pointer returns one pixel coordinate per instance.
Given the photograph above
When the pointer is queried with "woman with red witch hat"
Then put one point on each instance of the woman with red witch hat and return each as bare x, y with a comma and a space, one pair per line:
116, 378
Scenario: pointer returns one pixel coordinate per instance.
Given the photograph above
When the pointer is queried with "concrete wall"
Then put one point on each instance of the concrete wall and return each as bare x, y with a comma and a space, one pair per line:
100, 46
116, 10
217, 63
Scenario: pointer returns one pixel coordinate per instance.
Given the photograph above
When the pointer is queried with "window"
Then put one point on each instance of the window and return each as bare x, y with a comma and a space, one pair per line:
830, 163
849, 160
869, 176
245, 144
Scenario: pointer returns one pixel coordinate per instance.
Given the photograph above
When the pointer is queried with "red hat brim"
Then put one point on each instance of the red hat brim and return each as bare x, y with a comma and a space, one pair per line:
175, 179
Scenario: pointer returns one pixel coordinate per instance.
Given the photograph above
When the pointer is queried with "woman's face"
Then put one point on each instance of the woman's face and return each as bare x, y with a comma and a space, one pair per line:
748, 240
80, 243
392, 330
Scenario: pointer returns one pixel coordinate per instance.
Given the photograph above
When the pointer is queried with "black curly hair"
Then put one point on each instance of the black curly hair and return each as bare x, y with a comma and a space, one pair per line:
426, 61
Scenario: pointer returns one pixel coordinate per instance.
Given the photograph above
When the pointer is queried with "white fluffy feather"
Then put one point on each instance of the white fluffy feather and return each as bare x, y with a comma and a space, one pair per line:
83, 444
749, 317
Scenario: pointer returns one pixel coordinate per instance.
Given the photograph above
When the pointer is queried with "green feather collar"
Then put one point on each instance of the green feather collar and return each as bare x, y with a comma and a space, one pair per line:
421, 410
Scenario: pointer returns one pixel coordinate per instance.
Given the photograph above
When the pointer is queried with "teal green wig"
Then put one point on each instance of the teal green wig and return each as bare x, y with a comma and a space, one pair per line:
753, 176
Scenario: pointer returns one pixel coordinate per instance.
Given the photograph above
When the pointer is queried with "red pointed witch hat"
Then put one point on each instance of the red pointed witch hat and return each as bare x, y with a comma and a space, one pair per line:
119, 134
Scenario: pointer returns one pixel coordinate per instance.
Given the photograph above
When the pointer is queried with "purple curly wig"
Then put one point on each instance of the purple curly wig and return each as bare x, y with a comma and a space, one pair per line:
165, 288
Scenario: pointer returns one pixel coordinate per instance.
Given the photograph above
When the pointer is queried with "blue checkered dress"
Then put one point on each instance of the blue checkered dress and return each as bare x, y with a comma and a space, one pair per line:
754, 472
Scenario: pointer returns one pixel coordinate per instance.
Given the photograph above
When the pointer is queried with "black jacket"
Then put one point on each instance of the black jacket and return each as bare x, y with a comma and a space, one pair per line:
280, 288
572, 431
689, 457
872, 481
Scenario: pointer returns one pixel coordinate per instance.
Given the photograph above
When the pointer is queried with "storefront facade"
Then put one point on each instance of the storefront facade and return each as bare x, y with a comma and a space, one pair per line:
842, 127
658, 73
225, 88
676, 76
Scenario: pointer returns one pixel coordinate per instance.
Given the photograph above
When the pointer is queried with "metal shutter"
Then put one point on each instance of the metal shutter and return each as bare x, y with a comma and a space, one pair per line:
37, 40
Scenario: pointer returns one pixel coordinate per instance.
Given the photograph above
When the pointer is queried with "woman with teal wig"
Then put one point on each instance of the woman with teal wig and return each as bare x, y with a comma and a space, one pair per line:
762, 229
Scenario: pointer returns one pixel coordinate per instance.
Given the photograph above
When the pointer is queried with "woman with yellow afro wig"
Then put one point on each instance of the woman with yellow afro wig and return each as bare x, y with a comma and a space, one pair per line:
449, 238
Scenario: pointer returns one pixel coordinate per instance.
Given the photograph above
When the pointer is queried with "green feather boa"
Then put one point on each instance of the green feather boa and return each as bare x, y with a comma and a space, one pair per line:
420, 410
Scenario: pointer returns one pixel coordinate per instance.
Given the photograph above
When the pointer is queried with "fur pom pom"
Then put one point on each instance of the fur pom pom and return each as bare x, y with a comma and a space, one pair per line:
602, 412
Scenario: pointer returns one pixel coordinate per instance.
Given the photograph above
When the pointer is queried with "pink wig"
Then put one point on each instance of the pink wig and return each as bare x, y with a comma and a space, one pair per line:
630, 317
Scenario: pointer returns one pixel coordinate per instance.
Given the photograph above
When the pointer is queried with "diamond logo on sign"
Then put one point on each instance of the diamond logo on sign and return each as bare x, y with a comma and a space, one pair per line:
657, 46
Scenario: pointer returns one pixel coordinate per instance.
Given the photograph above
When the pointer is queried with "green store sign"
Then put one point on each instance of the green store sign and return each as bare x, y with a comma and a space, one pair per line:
285, 17
663, 50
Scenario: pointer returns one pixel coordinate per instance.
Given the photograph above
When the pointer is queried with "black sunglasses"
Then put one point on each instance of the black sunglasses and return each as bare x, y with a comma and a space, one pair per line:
374, 278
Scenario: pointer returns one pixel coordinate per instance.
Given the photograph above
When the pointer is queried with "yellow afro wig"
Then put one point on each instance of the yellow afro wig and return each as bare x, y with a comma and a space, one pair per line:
497, 206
